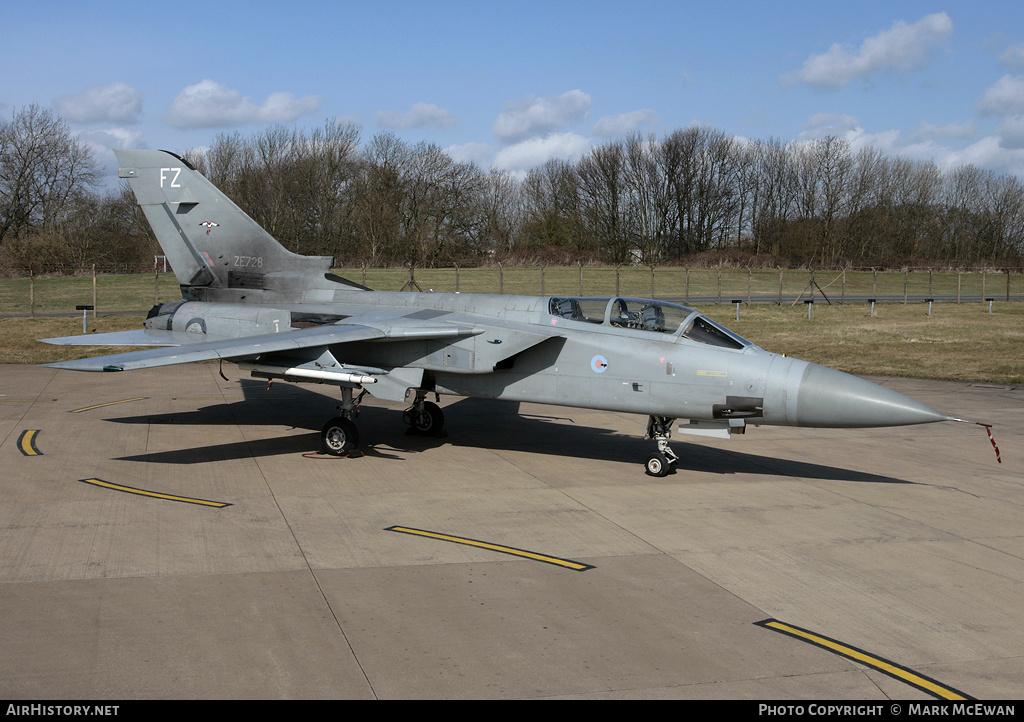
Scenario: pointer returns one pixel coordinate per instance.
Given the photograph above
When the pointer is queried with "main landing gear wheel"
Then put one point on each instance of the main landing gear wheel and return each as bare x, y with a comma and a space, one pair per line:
339, 436
659, 465
427, 420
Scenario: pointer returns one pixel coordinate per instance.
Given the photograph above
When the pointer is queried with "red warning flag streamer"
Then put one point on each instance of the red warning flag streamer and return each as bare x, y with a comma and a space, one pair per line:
988, 430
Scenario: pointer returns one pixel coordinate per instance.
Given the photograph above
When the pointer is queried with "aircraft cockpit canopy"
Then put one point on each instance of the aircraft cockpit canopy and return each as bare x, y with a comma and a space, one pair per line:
646, 314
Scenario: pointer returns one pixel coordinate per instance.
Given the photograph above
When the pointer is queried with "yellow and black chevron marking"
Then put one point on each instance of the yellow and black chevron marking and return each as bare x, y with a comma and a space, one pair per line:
925, 684
154, 494
109, 403
27, 442
566, 563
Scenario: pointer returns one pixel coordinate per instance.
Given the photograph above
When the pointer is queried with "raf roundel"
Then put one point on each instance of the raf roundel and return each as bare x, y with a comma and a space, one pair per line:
598, 364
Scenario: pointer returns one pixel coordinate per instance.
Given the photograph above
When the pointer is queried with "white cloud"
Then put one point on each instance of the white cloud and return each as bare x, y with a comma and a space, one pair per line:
114, 103
421, 115
1013, 57
536, 151
112, 138
538, 116
1001, 153
901, 48
1011, 133
613, 126
209, 104
478, 153
822, 124
1004, 97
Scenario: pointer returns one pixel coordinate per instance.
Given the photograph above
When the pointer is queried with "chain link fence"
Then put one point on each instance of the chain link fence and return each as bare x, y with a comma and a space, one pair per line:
112, 290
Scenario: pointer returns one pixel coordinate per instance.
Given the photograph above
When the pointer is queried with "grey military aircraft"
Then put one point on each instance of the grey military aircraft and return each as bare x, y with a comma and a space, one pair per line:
248, 300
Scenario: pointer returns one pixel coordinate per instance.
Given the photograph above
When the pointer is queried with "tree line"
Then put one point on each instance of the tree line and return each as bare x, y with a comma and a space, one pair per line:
693, 195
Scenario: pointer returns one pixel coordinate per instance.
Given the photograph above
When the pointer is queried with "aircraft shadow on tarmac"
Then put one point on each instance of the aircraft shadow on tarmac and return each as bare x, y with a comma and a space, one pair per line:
471, 422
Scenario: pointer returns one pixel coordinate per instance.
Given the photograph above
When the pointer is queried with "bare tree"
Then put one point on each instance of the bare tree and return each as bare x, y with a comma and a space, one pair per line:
42, 168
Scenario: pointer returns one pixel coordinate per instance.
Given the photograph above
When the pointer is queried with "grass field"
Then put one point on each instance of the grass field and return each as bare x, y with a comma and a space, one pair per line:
958, 341
136, 292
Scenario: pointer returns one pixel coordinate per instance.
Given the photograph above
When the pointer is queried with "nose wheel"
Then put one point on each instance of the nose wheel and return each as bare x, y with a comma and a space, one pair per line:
665, 460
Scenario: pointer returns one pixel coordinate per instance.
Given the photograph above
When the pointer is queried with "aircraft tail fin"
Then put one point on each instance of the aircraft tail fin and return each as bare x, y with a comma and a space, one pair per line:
217, 251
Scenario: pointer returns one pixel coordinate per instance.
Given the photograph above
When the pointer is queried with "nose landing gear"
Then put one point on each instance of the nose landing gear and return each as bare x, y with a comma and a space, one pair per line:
664, 461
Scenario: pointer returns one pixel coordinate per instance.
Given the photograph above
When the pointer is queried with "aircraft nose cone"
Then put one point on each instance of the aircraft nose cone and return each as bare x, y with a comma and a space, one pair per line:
831, 398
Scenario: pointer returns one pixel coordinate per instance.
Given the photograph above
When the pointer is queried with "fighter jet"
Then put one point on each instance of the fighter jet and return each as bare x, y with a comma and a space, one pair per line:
278, 315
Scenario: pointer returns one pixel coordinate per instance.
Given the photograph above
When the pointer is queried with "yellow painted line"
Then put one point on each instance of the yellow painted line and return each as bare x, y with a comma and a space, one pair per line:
925, 684
27, 442
109, 403
154, 494
566, 563
716, 374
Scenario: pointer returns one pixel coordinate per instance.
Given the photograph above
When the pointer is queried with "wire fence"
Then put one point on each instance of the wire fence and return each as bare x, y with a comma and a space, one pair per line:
110, 290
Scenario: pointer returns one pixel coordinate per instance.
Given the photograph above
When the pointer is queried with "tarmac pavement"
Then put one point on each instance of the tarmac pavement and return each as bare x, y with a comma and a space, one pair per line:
906, 544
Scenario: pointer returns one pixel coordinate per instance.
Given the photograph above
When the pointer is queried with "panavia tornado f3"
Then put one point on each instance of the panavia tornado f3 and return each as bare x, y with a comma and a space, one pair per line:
248, 300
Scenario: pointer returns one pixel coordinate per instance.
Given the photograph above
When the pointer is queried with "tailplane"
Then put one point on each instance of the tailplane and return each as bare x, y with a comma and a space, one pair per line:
217, 251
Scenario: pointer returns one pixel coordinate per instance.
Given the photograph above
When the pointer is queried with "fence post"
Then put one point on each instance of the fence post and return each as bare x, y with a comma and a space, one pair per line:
456, 278
906, 280
652, 280
94, 291
581, 276
687, 284
780, 285
983, 284
719, 301
748, 286
959, 275
617, 266
542, 280
32, 293
501, 280
1007, 284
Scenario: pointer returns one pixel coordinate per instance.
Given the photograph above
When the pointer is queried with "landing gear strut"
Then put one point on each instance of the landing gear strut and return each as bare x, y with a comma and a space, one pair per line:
339, 435
664, 462
424, 418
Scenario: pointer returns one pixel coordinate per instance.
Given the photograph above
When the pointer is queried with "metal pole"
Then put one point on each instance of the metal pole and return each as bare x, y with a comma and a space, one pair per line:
94, 290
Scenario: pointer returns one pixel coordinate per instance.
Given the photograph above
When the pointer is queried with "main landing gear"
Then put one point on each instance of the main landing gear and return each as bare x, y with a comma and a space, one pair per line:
340, 437
424, 418
664, 462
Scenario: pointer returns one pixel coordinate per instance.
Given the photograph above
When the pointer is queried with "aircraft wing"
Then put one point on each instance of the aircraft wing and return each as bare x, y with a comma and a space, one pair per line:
181, 347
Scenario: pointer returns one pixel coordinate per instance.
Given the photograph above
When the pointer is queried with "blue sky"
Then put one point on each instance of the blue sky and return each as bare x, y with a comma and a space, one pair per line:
511, 85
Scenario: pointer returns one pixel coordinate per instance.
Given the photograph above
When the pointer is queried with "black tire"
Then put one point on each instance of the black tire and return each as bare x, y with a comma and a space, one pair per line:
339, 436
429, 421
658, 465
